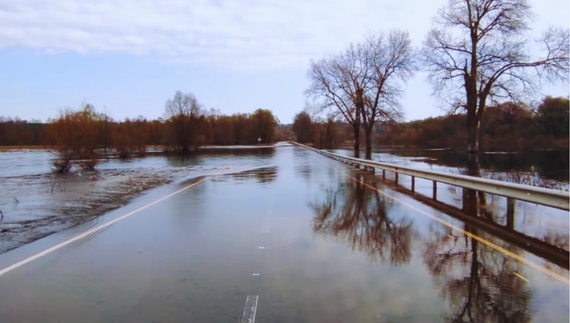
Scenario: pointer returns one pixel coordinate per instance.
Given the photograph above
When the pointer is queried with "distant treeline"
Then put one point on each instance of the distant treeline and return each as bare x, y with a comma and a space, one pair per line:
83, 135
506, 127
134, 134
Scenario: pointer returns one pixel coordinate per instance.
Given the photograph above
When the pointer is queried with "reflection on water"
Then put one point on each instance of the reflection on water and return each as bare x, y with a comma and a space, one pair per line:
358, 215
544, 164
262, 175
549, 164
233, 156
478, 283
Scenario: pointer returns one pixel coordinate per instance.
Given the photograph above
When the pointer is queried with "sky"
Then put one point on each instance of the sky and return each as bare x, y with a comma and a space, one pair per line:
128, 57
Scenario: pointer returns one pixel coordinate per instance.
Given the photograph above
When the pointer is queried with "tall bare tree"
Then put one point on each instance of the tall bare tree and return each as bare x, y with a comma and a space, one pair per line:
185, 116
363, 82
391, 61
328, 82
477, 52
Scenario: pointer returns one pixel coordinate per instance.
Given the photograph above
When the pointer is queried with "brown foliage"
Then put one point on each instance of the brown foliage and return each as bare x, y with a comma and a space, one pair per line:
74, 133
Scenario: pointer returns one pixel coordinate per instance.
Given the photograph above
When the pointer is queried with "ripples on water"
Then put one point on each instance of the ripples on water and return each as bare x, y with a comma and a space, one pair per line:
36, 202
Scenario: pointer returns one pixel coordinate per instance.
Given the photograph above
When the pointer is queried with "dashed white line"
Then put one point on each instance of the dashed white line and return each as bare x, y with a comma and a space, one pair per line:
250, 309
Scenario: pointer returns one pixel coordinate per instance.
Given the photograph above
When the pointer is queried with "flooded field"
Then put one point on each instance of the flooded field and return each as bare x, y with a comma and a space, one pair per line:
546, 168
36, 202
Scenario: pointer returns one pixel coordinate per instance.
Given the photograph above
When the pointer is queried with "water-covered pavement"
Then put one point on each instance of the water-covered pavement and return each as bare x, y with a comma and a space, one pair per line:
35, 202
297, 238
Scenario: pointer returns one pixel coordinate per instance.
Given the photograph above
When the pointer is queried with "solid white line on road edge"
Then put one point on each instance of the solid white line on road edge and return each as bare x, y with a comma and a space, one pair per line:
249, 310
87, 233
520, 276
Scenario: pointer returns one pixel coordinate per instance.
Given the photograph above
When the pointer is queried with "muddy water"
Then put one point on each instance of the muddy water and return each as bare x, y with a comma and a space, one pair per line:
36, 202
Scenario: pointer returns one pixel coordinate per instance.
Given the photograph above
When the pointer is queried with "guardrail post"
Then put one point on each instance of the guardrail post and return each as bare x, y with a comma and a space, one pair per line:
541, 196
372, 170
396, 173
510, 213
413, 183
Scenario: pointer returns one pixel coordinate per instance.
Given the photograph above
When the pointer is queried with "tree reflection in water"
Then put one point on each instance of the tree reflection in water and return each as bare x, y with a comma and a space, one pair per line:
478, 282
358, 215
263, 175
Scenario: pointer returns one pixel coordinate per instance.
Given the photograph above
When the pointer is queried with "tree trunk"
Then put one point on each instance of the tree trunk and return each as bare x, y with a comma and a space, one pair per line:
356, 129
472, 133
368, 135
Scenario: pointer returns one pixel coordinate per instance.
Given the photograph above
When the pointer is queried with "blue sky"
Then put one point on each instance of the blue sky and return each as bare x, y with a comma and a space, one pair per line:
129, 56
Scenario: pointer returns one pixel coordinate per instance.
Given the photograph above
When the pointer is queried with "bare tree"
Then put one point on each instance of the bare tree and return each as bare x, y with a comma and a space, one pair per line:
329, 83
391, 61
477, 52
363, 82
184, 115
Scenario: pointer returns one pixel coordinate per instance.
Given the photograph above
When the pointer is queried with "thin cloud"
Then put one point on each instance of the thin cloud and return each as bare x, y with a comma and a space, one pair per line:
248, 34
277, 34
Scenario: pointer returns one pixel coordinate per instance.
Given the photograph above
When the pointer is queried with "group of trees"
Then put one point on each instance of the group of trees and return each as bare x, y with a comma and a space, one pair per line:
83, 135
475, 55
505, 127
17, 132
363, 83
321, 133
189, 125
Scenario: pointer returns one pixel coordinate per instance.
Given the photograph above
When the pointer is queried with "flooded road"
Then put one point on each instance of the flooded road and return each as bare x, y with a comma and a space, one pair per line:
35, 202
295, 238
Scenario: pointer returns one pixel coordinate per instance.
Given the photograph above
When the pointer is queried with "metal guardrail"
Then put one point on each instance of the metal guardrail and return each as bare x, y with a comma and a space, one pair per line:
538, 195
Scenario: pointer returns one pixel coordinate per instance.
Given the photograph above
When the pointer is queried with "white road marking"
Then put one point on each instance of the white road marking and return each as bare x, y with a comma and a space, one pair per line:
256, 274
87, 233
520, 276
250, 309
261, 248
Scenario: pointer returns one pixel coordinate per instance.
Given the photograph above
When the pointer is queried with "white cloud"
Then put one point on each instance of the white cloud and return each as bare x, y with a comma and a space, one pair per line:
253, 33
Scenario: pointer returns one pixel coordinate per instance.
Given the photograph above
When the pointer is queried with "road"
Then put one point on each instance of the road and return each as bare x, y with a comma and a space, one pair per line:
302, 239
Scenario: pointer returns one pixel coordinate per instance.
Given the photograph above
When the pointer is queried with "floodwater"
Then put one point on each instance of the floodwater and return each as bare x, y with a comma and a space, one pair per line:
36, 202
295, 238
544, 168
